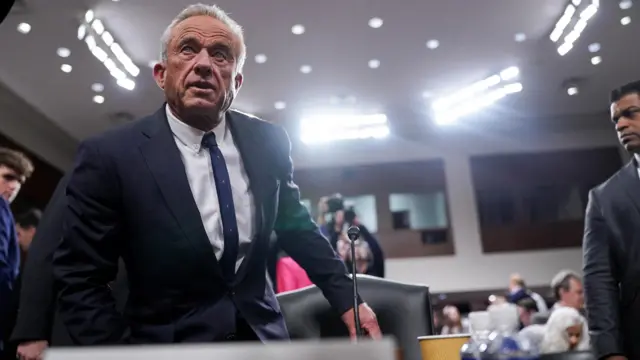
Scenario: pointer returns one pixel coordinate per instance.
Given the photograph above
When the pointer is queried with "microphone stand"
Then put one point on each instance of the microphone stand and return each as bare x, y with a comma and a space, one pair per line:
354, 233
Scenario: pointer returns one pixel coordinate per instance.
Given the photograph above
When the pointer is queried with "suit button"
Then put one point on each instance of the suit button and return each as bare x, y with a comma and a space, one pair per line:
230, 336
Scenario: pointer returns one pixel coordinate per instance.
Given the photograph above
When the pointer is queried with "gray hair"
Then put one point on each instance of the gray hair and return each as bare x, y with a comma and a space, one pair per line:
556, 339
205, 10
562, 281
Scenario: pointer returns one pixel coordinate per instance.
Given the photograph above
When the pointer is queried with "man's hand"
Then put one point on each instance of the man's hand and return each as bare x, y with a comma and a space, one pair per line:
32, 350
368, 321
616, 357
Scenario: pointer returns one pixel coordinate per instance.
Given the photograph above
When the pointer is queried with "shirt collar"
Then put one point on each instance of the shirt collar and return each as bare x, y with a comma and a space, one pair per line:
191, 136
637, 156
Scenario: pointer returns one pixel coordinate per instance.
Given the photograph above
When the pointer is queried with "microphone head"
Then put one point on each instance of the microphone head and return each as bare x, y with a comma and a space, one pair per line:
353, 233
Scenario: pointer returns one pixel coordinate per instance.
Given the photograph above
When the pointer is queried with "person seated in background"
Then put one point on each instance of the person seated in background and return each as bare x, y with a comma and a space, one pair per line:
364, 257
26, 225
453, 323
568, 291
566, 330
335, 218
518, 290
527, 308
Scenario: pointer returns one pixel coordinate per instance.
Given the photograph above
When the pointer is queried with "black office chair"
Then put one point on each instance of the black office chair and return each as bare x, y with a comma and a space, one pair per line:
403, 311
572, 355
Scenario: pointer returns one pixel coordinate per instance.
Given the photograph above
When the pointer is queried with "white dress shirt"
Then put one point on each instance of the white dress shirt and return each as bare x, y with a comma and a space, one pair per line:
638, 163
197, 165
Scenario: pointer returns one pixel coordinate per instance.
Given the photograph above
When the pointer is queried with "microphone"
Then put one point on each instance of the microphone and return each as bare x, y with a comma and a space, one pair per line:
353, 233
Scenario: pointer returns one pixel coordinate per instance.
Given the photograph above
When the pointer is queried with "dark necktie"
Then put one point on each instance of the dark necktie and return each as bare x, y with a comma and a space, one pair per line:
227, 209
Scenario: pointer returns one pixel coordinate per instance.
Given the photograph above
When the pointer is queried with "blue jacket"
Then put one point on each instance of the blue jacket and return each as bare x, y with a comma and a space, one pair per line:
9, 262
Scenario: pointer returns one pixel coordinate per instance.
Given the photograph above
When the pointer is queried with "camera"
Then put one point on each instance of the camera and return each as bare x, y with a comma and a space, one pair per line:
335, 203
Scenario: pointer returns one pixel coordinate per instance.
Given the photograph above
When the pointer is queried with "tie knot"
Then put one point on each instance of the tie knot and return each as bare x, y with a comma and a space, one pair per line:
209, 140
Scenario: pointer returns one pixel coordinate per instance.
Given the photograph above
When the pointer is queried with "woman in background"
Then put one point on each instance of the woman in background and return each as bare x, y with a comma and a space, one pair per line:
566, 330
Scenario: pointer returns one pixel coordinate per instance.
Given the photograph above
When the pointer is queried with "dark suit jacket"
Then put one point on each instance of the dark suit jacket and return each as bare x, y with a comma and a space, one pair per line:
611, 248
9, 266
129, 196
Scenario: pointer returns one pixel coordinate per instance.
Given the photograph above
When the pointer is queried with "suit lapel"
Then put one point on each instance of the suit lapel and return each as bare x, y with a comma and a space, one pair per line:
631, 183
163, 159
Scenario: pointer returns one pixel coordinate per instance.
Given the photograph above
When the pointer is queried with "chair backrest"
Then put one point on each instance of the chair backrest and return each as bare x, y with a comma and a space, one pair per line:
570, 355
403, 311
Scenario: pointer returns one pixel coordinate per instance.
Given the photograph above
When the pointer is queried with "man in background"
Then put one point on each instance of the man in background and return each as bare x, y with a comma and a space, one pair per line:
611, 243
26, 225
15, 169
568, 291
518, 290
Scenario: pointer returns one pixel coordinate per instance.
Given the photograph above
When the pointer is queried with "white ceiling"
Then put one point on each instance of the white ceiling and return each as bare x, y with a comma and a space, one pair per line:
476, 40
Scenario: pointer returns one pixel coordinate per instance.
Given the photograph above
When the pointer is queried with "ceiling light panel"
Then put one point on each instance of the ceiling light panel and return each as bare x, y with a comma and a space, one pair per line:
374, 63
433, 44
66, 68
625, 20
520, 37
98, 99
261, 58
574, 20
626, 4
305, 69
104, 48
596, 60
298, 29
339, 126
63, 52
24, 28
375, 22
481, 94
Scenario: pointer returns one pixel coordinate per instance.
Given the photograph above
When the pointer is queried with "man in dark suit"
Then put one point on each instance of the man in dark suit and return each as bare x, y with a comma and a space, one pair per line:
611, 244
188, 197
15, 168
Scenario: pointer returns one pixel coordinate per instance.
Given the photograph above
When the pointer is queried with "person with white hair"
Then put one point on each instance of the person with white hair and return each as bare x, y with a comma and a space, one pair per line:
188, 197
566, 330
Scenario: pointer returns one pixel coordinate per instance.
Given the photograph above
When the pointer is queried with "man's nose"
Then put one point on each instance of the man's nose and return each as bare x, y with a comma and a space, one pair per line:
622, 124
203, 65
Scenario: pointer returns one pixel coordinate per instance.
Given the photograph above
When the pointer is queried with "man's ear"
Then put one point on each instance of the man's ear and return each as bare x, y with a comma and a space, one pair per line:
238, 81
159, 74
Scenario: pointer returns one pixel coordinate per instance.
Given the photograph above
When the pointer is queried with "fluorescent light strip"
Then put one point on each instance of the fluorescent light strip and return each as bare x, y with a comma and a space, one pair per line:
580, 21
337, 127
481, 102
103, 46
470, 92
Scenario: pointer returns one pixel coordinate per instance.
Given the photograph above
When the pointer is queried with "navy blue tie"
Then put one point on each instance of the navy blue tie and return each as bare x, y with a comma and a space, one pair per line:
227, 209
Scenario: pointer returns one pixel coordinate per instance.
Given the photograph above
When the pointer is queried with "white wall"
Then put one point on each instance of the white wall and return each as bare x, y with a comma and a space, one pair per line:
469, 269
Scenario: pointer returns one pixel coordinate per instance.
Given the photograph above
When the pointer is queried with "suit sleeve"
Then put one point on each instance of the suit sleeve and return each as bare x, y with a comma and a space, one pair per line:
37, 301
301, 239
601, 287
86, 260
7, 270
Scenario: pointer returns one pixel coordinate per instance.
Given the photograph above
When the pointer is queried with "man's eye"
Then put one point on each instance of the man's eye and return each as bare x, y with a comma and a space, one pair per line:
220, 55
187, 49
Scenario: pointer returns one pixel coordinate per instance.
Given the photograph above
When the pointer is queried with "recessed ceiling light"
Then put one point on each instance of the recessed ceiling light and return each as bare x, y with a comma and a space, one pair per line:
63, 52
433, 44
24, 28
88, 16
98, 99
625, 20
66, 68
596, 60
374, 63
261, 58
305, 69
594, 48
82, 31
520, 37
572, 91
279, 105
626, 4
375, 22
297, 29
97, 87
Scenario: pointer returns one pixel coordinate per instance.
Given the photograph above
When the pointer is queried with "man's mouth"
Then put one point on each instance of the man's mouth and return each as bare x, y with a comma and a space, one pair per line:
203, 85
